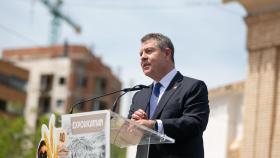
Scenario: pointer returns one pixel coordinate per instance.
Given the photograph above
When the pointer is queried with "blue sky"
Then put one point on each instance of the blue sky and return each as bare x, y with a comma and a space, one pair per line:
209, 37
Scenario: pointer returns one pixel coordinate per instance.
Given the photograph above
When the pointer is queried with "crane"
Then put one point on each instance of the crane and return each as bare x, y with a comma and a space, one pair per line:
58, 16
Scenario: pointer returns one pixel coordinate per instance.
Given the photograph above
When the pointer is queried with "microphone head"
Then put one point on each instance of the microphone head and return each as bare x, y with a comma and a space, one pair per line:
135, 88
143, 86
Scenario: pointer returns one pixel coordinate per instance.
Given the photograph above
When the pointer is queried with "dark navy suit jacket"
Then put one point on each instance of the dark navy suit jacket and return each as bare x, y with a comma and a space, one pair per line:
184, 112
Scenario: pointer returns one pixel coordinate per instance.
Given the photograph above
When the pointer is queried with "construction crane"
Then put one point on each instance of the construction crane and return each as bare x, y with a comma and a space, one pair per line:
58, 16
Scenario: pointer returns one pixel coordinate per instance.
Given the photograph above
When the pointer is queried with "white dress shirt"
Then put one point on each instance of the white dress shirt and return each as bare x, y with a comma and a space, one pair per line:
165, 81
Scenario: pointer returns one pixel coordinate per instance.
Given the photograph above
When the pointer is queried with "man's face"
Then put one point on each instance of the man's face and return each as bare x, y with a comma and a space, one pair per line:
153, 60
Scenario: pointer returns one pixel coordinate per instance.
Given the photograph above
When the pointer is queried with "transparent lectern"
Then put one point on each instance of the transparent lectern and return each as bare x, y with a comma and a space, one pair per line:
125, 132
89, 134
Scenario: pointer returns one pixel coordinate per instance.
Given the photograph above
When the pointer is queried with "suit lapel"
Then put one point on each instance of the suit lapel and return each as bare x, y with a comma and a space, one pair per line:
146, 98
173, 86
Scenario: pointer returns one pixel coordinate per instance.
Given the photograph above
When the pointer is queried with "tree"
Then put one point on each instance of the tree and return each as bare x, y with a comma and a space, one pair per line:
11, 137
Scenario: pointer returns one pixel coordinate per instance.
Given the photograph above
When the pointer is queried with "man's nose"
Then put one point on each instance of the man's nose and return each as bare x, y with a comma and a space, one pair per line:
143, 56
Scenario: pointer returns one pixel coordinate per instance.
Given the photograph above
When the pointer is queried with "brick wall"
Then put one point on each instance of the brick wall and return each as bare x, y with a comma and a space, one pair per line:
74, 51
93, 69
8, 92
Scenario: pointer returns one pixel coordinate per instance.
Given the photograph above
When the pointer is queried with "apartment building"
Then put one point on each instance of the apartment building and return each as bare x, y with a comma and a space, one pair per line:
60, 76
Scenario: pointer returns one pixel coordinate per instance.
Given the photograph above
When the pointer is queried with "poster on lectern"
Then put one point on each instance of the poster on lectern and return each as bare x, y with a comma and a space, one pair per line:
86, 134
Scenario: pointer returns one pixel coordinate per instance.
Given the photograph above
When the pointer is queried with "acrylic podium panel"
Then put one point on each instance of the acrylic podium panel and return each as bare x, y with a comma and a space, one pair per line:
89, 134
125, 132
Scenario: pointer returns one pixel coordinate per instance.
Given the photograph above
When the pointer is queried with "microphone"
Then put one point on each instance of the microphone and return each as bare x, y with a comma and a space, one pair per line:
135, 88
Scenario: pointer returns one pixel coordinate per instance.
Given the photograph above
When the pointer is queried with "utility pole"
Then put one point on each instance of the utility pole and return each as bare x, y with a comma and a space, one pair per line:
58, 16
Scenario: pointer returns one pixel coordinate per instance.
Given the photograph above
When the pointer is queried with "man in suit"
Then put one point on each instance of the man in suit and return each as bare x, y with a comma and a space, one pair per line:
174, 105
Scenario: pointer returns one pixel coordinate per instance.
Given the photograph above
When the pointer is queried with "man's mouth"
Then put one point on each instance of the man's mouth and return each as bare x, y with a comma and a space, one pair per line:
145, 65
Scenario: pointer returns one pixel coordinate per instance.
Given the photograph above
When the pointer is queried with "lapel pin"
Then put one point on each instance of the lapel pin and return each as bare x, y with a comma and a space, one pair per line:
174, 87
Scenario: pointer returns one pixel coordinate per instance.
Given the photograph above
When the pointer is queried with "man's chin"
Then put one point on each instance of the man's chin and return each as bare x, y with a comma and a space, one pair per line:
147, 73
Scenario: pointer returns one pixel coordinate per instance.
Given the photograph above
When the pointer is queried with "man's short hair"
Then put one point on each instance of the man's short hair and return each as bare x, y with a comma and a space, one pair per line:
162, 42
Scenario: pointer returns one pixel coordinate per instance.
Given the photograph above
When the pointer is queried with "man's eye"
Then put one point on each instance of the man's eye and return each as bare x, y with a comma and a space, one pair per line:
149, 51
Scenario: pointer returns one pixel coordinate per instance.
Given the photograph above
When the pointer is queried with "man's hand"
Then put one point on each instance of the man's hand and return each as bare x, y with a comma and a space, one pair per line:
138, 115
147, 123
141, 118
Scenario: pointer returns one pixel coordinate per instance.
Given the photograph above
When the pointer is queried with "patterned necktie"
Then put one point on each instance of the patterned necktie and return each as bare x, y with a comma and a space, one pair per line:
154, 100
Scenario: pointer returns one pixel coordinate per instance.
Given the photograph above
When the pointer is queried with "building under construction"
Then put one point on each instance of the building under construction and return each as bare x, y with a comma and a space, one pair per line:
60, 76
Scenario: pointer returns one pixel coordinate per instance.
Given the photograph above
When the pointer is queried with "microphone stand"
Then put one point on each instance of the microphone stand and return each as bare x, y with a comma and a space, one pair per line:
89, 99
135, 88
114, 106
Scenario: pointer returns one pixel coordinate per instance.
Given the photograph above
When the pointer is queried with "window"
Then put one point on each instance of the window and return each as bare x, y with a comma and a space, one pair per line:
44, 104
82, 81
13, 81
11, 107
99, 105
81, 106
101, 86
15, 108
17, 83
3, 105
46, 82
59, 103
61, 81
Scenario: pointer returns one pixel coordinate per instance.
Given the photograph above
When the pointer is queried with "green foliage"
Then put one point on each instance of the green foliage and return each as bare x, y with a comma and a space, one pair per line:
117, 152
13, 140
11, 137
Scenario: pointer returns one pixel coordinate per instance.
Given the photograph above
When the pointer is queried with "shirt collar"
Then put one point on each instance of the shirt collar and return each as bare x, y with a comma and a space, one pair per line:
165, 81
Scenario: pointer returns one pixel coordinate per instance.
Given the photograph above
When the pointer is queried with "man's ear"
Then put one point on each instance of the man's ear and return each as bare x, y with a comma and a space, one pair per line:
168, 52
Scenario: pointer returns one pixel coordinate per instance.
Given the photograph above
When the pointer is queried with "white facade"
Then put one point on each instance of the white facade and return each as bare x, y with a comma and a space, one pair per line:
59, 68
225, 121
